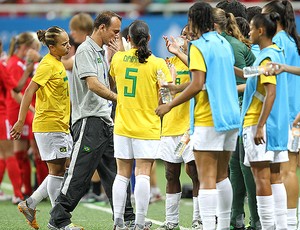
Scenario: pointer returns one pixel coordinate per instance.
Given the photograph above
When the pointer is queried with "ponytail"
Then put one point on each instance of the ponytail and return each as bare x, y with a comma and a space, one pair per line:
12, 46
290, 24
287, 18
139, 33
232, 29
143, 52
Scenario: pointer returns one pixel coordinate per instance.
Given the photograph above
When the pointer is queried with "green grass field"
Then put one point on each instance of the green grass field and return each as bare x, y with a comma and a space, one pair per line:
95, 216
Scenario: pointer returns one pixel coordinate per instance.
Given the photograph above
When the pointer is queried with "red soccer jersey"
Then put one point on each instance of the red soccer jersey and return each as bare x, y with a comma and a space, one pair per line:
16, 67
7, 83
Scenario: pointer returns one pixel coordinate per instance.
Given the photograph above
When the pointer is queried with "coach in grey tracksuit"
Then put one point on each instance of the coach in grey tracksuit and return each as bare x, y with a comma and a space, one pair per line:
92, 126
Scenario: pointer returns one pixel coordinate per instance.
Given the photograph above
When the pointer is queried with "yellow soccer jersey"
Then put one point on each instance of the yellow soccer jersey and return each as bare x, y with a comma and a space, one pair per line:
52, 108
137, 88
176, 122
202, 114
253, 113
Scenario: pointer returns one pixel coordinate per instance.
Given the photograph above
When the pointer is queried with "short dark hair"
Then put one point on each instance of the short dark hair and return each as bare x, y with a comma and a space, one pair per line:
105, 18
235, 7
243, 26
267, 21
252, 11
200, 16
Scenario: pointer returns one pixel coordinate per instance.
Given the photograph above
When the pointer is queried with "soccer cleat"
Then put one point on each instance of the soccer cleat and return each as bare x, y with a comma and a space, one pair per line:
139, 227
116, 227
29, 214
130, 224
68, 227
169, 226
197, 225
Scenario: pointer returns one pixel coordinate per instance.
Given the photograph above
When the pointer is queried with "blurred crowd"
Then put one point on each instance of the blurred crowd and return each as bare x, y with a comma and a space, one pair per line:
144, 2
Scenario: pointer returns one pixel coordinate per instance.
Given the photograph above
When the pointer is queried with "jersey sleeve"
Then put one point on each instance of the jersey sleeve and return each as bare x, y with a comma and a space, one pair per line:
196, 59
86, 64
43, 73
267, 79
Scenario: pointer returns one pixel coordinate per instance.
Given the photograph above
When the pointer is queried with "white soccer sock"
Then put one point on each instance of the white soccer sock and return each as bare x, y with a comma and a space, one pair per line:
224, 202
53, 187
119, 196
39, 194
172, 207
142, 196
265, 209
292, 218
280, 205
207, 199
196, 211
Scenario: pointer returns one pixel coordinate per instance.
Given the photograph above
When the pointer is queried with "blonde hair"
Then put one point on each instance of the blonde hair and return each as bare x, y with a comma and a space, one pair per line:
25, 38
227, 23
82, 22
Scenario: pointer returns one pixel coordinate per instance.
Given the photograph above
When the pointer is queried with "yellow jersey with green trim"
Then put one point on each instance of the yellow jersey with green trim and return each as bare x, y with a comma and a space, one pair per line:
52, 108
137, 99
176, 122
254, 111
202, 111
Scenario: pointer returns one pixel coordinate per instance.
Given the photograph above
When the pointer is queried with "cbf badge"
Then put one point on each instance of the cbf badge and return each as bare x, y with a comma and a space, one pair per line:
63, 149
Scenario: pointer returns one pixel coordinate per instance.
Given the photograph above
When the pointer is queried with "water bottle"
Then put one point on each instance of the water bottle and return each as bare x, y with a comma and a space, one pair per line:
179, 41
165, 93
252, 71
296, 137
185, 139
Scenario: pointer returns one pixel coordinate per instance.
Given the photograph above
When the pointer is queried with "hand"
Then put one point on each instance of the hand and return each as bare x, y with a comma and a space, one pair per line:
297, 120
16, 130
161, 110
259, 136
114, 45
32, 56
172, 87
274, 68
171, 45
29, 66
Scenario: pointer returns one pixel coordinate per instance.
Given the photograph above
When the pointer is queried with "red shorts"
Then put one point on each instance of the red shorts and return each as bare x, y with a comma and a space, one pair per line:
27, 128
4, 128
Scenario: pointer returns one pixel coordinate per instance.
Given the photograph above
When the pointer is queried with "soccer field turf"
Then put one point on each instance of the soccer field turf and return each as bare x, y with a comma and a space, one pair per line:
95, 216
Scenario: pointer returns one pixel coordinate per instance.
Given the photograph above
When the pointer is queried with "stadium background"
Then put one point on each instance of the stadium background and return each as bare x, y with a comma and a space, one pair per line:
162, 18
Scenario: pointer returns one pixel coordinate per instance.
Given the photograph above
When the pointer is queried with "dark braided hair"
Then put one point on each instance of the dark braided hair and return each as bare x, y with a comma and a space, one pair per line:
49, 37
